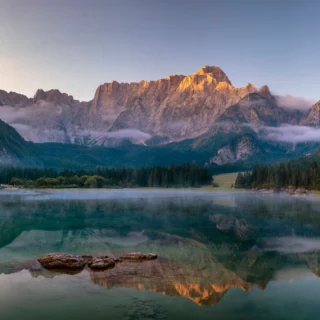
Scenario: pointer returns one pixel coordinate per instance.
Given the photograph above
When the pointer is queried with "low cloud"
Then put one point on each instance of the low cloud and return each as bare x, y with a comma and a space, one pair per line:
120, 134
289, 245
111, 137
294, 103
291, 134
129, 133
37, 135
44, 122
31, 112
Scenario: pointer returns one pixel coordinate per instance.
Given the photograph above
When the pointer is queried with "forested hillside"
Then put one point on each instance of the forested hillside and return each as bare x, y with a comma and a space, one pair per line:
174, 176
299, 173
13, 148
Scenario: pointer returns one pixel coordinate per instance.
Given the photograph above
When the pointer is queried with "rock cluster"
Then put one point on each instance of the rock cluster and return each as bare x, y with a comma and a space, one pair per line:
71, 261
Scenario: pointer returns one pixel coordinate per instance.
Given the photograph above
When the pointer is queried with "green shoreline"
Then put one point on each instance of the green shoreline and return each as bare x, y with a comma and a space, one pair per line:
225, 182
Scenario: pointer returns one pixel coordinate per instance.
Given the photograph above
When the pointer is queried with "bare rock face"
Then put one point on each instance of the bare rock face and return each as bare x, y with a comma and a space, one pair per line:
177, 107
62, 261
138, 256
258, 109
50, 116
12, 98
157, 112
239, 149
312, 118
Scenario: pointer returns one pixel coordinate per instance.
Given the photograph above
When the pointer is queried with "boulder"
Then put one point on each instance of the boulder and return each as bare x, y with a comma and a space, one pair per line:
138, 256
101, 263
62, 261
87, 259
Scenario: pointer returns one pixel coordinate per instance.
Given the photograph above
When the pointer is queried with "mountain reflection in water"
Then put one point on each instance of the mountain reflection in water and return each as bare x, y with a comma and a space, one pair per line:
205, 247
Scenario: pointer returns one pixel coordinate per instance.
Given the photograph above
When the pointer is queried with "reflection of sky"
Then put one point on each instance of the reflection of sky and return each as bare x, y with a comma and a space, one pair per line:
31, 244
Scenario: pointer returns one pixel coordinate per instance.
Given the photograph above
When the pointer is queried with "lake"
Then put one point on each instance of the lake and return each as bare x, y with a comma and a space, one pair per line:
221, 255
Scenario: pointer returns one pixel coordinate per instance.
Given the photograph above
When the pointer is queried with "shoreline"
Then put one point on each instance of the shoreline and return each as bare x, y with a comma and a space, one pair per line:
224, 181
289, 191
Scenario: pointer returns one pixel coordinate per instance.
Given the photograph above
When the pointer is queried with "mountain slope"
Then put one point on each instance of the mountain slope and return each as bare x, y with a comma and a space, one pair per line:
199, 118
178, 107
312, 117
13, 148
259, 109
49, 116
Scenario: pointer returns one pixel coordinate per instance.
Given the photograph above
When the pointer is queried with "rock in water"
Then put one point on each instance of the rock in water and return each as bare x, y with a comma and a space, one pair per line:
63, 261
101, 263
87, 259
138, 256
70, 261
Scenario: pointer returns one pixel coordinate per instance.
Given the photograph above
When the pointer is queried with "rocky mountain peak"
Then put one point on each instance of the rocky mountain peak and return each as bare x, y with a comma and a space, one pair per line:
54, 96
265, 92
215, 72
312, 118
172, 109
12, 98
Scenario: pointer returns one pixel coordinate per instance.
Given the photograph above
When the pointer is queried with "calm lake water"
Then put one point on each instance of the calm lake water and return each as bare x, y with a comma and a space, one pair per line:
221, 255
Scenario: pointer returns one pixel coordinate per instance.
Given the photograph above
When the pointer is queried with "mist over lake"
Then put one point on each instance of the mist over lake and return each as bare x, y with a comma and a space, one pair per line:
220, 254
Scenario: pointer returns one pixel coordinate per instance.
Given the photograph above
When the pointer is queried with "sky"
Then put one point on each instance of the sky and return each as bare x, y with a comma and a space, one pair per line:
76, 45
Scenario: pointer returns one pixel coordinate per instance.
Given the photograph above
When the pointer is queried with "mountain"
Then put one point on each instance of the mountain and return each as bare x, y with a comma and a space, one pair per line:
49, 116
176, 108
13, 148
199, 118
259, 109
179, 107
312, 117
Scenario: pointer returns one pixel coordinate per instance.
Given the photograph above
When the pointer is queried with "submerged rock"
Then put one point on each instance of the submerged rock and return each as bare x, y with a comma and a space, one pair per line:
63, 261
138, 256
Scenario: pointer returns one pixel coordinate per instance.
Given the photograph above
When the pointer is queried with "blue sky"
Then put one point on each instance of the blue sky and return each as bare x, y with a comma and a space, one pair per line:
76, 45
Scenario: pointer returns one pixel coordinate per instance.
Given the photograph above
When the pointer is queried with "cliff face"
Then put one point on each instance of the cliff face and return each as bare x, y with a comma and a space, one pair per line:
179, 107
259, 109
203, 106
312, 118
50, 116
240, 149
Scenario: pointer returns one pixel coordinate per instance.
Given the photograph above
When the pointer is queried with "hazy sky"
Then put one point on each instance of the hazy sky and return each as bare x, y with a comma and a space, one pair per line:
75, 45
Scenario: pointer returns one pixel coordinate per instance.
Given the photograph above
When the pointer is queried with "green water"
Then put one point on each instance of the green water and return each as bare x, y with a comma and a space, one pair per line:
221, 255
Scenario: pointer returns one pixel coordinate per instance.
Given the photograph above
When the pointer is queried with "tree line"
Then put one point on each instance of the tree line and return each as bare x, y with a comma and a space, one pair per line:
299, 173
186, 175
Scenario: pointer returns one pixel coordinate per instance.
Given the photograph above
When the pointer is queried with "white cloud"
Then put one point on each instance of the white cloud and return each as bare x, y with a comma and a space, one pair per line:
289, 245
294, 103
291, 133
